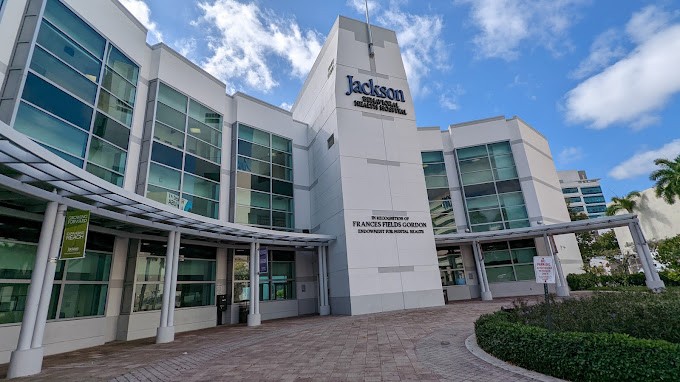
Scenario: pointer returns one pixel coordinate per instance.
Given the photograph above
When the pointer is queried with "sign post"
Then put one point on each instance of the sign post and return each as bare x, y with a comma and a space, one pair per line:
544, 270
75, 235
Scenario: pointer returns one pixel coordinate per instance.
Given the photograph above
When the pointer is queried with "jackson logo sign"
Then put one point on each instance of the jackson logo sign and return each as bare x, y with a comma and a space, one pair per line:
376, 97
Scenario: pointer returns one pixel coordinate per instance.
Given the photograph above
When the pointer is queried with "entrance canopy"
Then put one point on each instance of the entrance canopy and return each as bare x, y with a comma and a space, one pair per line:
29, 171
537, 231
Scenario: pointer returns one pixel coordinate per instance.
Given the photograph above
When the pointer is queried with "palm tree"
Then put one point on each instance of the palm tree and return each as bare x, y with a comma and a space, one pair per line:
628, 203
667, 179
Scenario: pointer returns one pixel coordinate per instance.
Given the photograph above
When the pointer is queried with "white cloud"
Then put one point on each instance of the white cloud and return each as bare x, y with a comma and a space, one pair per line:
242, 37
632, 89
606, 48
647, 22
421, 42
360, 6
141, 11
186, 47
570, 155
449, 98
505, 24
286, 106
643, 163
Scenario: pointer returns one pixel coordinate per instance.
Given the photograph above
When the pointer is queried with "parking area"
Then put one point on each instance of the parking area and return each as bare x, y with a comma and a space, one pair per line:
411, 345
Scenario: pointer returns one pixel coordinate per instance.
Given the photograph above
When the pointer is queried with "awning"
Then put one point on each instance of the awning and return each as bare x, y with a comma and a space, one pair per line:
537, 231
29, 169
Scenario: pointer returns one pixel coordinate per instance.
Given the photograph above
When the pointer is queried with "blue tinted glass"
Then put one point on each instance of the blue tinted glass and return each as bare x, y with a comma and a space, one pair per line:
200, 206
591, 190
50, 130
163, 154
74, 160
115, 107
67, 50
107, 175
106, 155
594, 199
48, 97
432, 156
202, 168
111, 130
282, 188
46, 65
122, 65
569, 190
119, 86
595, 209
72, 25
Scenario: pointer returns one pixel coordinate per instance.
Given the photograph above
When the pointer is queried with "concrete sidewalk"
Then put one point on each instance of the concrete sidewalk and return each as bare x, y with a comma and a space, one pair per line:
411, 345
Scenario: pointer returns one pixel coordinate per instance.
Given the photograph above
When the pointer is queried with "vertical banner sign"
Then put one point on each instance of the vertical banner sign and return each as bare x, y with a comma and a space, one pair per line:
75, 234
264, 260
544, 269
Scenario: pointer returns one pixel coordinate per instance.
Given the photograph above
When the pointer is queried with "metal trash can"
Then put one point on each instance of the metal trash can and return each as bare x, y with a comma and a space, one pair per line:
243, 310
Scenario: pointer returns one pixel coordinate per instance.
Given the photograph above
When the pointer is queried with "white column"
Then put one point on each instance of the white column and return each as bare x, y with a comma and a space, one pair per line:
48, 281
324, 308
652, 278
173, 283
253, 315
162, 333
484, 281
257, 278
562, 288
24, 360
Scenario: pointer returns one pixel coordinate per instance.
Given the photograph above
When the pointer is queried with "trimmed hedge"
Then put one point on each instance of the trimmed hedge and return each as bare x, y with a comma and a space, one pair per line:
578, 356
587, 281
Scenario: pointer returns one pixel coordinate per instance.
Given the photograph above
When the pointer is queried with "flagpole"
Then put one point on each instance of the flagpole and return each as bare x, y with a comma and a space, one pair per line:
371, 53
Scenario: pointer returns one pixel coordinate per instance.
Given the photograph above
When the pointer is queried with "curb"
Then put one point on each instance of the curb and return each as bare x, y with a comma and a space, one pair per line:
471, 345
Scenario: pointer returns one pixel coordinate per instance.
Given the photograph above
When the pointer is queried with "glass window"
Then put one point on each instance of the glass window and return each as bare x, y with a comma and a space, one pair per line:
106, 155
594, 199
12, 302
203, 149
82, 300
436, 182
575, 199
472, 165
500, 148
596, 208
164, 177
107, 175
201, 187
190, 295
525, 272
508, 186
163, 154
282, 219
119, 87
432, 156
205, 115
282, 144
254, 151
76, 161
16, 260
248, 215
168, 135
46, 128
591, 190
115, 108
576, 209
571, 190
253, 135
196, 270
505, 173
282, 188
111, 130
500, 274
46, 65
64, 48
162, 195
282, 172
150, 268
434, 169
252, 198
57, 102
72, 25
451, 266
485, 216
509, 200
515, 213
122, 65
436, 194
172, 98
281, 158
205, 133
480, 190
482, 203
201, 206
471, 152
253, 182
148, 296
502, 161
201, 167
477, 177
170, 117
282, 203
252, 165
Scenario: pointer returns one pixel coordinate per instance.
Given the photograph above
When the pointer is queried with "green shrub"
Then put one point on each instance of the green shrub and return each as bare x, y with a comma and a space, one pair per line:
589, 281
578, 356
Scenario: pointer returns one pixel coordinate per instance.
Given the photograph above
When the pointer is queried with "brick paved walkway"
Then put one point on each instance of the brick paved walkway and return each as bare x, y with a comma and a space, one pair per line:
404, 345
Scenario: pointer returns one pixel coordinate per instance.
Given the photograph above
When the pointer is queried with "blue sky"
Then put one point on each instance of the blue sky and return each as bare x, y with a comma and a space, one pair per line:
599, 78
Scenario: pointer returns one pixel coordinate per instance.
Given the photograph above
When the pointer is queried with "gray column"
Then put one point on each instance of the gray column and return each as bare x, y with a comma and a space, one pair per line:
324, 308
254, 315
484, 281
24, 360
173, 282
48, 281
257, 279
652, 278
163, 333
561, 285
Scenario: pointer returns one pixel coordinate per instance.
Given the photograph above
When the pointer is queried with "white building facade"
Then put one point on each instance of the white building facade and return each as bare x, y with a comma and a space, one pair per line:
343, 200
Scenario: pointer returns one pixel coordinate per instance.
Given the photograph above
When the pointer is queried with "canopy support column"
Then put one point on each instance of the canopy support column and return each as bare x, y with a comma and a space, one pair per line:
652, 278
254, 318
561, 286
324, 308
166, 333
481, 272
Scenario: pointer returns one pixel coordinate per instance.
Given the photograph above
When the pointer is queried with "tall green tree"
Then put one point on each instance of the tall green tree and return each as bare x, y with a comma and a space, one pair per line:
667, 179
668, 253
628, 203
